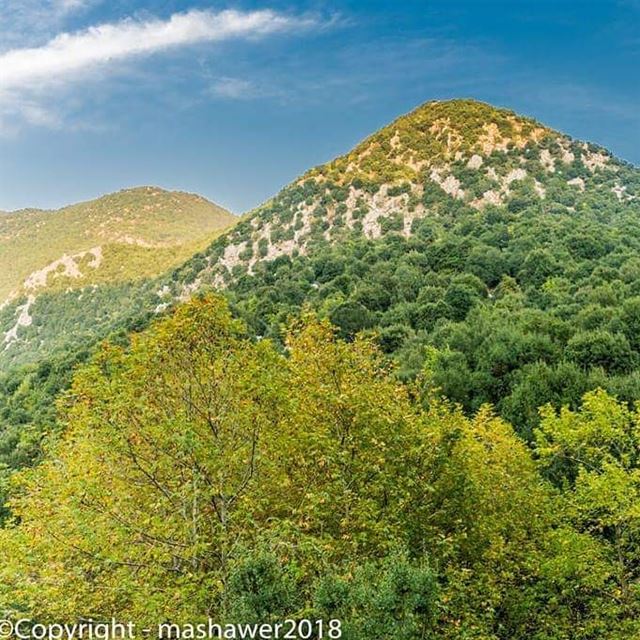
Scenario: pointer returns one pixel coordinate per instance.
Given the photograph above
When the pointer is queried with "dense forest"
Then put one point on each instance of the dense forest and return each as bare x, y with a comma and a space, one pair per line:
411, 405
204, 472
515, 306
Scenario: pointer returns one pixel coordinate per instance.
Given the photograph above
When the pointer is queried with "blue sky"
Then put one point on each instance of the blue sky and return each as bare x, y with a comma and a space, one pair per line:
233, 100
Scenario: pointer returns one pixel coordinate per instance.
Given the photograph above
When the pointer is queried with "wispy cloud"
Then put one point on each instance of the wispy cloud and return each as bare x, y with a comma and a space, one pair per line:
28, 74
233, 88
67, 55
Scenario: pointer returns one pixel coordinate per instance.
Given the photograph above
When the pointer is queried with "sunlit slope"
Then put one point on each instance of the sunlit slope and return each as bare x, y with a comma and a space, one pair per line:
127, 235
444, 158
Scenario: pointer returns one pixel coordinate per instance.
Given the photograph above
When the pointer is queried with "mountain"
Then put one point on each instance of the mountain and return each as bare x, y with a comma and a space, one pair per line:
455, 155
123, 236
458, 157
497, 260
74, 263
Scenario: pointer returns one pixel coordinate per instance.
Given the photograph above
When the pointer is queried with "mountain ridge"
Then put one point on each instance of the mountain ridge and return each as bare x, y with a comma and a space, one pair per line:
408, 169
444, 161
70, 246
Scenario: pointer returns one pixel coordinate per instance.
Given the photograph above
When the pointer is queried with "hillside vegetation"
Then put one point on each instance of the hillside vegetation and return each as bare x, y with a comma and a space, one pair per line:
202, 474
71, 277
505, 256
507, 259
427, 350
131, 234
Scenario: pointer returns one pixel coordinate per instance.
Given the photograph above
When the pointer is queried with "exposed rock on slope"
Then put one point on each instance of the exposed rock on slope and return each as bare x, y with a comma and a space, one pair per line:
130, 234
442, 156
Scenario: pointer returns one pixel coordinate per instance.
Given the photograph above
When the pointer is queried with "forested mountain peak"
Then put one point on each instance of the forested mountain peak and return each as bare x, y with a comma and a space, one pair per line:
434, 135
444, 158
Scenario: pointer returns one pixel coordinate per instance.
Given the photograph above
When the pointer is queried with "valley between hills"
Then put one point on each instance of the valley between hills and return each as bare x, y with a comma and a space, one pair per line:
402, 393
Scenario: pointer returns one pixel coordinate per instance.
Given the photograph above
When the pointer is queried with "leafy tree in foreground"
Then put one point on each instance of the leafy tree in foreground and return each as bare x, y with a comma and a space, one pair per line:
593, 457
202, 473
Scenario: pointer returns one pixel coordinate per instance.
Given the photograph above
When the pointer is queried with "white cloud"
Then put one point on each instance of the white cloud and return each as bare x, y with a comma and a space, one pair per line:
69, 54
27, 75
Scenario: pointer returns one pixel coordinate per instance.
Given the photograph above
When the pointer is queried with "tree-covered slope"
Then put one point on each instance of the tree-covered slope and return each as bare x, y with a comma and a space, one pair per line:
501, 254
73, 275
205, 474
447, 158
486, 259
441, 164
497, 255
122, 236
